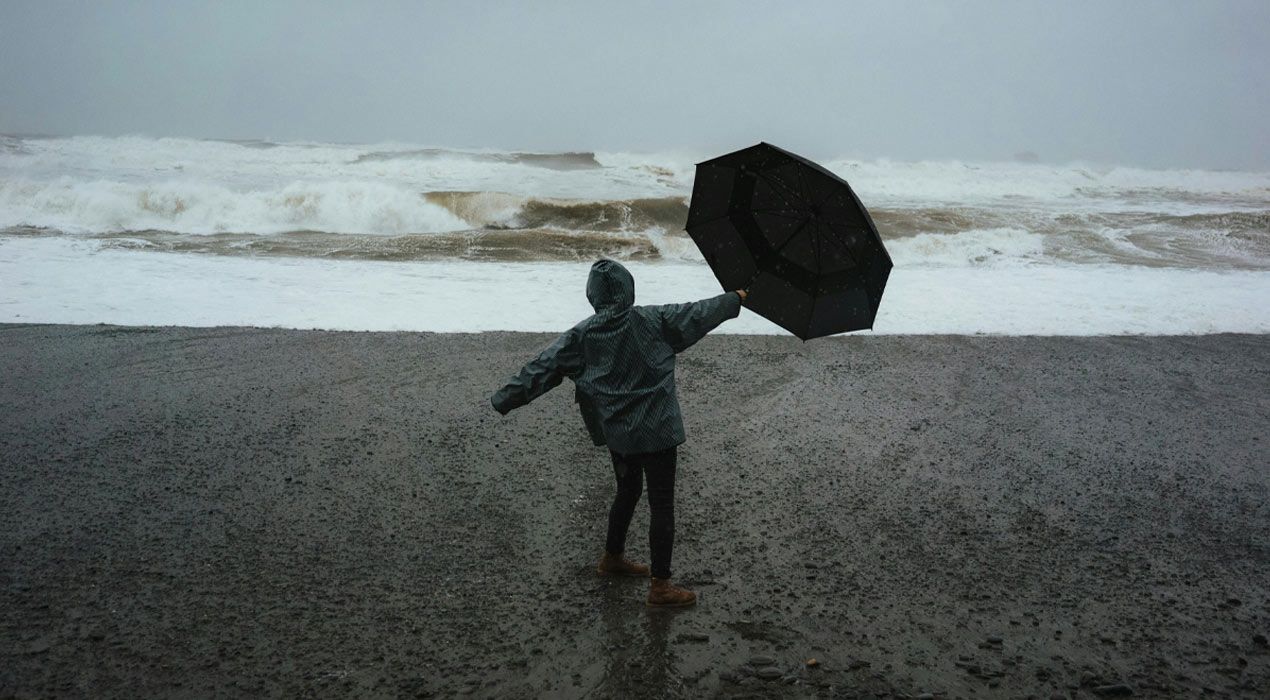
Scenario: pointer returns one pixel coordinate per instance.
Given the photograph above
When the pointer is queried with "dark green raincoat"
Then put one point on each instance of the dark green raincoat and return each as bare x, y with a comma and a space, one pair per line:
622, 362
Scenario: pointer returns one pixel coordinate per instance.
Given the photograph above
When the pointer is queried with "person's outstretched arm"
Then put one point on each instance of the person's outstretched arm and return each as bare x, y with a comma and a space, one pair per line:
563, 358
684, 324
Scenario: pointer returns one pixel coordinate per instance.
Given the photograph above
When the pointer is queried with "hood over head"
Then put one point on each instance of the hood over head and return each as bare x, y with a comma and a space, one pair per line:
610, 287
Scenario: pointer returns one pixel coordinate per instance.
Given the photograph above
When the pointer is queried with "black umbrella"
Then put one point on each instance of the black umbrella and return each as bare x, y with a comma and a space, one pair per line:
794, 235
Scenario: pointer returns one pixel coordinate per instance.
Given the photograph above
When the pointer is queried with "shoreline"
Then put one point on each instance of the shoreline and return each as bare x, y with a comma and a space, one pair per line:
145, 328
186, 511
62, 280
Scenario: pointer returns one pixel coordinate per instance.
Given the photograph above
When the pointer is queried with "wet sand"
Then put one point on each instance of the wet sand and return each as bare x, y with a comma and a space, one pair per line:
187, 512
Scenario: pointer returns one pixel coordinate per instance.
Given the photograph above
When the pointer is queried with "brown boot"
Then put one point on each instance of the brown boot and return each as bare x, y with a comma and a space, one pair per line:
663, 595
618, 565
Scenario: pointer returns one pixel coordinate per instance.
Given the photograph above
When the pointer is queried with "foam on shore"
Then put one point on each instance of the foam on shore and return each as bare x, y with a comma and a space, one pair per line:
64, 280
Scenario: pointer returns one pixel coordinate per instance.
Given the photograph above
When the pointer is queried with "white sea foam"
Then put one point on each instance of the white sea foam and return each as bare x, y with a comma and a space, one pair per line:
1072, 186
931, 212
264, 165
959, 233
199, 207
971, 248
253, 165
67, 280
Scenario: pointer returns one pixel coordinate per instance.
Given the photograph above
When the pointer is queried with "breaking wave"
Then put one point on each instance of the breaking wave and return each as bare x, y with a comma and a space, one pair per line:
501, 210
404, 202
204, 208
502, 246
554, 161
12, 145
381, 222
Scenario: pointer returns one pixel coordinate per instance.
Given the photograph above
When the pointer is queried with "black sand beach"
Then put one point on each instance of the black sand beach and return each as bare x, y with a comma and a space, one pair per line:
195, 512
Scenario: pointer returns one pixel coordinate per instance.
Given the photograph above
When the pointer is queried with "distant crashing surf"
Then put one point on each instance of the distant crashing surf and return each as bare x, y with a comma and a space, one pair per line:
555, 161
389, 202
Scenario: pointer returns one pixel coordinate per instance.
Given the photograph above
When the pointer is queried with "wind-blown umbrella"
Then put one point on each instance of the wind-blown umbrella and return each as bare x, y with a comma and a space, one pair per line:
794, 235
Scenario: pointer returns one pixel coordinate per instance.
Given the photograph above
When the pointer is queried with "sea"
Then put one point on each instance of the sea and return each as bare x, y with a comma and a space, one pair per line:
395, 236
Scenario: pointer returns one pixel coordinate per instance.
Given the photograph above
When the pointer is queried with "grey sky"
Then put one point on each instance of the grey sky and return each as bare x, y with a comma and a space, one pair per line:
1150, 83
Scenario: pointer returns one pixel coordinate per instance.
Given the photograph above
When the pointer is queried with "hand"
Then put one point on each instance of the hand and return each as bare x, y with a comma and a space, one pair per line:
742, 293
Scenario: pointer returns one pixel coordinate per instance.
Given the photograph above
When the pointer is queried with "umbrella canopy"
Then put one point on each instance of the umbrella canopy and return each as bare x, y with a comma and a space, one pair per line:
794, 235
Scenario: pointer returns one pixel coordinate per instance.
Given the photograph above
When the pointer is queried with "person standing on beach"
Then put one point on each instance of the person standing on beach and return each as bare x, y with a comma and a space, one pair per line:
622, 363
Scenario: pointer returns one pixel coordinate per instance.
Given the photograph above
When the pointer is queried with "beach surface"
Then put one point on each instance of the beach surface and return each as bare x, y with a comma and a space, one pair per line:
229, 511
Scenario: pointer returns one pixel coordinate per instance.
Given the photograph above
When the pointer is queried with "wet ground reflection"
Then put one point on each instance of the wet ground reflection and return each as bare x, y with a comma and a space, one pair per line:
639, 660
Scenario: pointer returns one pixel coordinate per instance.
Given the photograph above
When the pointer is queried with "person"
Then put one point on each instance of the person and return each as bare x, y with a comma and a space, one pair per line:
622, 363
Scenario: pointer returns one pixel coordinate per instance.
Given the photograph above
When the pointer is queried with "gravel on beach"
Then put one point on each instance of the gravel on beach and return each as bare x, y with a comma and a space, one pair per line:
187, 512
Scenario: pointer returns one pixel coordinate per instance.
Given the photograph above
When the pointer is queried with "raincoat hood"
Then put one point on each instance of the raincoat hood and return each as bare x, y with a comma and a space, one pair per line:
610, 287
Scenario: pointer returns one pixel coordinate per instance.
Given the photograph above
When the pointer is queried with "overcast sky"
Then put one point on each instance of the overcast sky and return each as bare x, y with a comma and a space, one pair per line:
1159, 83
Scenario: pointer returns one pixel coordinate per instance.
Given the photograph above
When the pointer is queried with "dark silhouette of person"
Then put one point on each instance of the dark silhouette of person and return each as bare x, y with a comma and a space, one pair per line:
622, 363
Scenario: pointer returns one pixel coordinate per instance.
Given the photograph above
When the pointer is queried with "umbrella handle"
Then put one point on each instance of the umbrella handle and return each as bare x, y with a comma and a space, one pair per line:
748, 285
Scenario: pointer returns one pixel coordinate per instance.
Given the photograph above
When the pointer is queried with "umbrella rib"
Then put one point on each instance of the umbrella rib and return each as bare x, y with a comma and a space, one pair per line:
840, 222
832, 192
820, 232
843, 247
789, 191
790, 237
773, 212
811, 308
777, 212
709, 221
825, 198
782, 185
802, 177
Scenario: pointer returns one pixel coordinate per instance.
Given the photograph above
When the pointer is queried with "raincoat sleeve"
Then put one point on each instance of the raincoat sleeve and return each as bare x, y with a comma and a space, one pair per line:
563, 358
684, 324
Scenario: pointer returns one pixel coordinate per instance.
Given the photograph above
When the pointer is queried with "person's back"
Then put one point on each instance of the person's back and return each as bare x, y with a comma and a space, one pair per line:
622, 362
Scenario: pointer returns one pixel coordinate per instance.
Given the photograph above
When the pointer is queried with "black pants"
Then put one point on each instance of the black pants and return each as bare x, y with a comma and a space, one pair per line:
630, 470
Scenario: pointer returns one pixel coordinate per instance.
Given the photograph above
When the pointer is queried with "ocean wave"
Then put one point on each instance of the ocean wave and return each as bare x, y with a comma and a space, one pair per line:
615, 175
1059, 186
207, 208
486, 246
553, 161
992, 247
511, 226
258, 144
564, 206
975, 248
331, 207
502, 210
13, 145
